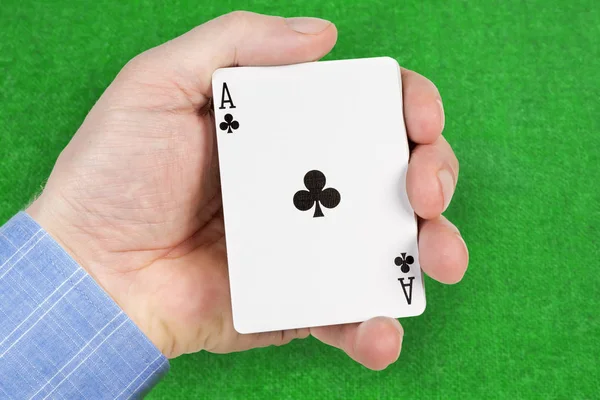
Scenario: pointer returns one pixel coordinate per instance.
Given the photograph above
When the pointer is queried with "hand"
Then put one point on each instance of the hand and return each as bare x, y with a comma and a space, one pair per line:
135, 196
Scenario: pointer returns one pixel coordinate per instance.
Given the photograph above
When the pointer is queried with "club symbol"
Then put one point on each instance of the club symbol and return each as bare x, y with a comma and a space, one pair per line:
229, 124
315, 182
404, 262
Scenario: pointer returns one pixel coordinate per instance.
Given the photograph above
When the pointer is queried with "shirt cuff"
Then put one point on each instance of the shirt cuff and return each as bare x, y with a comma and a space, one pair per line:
61, 335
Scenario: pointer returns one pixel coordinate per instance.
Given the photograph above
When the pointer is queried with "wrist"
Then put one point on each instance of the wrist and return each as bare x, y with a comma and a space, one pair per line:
90, 256
49, 218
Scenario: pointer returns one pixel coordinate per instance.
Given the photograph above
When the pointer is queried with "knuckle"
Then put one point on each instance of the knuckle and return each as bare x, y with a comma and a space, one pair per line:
138, 62
237, 17
286, 336
133, 68
283, 339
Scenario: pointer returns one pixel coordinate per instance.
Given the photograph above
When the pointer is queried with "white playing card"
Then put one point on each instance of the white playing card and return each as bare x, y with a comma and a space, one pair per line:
318, 225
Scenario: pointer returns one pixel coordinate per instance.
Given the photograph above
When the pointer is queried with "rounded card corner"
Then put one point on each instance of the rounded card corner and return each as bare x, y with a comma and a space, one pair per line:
240, 329
390, 62
216, 73
421, 310
393, 65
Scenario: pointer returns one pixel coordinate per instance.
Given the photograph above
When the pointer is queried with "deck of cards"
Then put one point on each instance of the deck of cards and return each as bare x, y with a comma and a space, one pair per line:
318, 225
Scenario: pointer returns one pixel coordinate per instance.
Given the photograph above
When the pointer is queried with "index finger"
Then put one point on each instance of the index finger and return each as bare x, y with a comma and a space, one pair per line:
423, 109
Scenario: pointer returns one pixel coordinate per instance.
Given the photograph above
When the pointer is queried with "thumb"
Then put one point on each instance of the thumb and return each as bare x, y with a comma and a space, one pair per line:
238, 38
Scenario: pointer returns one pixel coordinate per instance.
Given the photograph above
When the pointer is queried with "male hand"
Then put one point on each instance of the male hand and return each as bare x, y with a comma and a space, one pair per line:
135, 196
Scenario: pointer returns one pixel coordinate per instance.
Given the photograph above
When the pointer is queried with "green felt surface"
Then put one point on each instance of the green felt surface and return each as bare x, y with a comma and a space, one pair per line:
521, 87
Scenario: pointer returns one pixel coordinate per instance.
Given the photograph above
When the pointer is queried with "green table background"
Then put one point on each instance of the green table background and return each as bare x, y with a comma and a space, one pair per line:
521, 88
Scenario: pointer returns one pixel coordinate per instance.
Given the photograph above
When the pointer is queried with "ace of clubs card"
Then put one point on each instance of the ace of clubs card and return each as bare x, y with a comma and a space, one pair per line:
318, 226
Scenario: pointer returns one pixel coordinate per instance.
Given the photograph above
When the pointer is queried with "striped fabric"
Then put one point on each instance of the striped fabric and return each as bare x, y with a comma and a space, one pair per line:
61, 335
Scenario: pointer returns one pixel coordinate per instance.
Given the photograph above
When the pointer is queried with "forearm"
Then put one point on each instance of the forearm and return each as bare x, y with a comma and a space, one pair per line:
61, 335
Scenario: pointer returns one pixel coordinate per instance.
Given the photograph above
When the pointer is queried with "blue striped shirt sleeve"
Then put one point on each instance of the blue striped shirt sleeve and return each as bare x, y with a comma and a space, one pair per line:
61, 335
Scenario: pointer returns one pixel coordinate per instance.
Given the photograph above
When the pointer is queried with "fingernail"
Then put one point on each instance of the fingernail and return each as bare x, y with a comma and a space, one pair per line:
400, 337
447, 184
442, 115
464, 243
307, 25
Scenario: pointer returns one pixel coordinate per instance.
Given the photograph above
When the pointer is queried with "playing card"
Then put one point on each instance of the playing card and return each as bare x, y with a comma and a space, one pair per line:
318, 225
